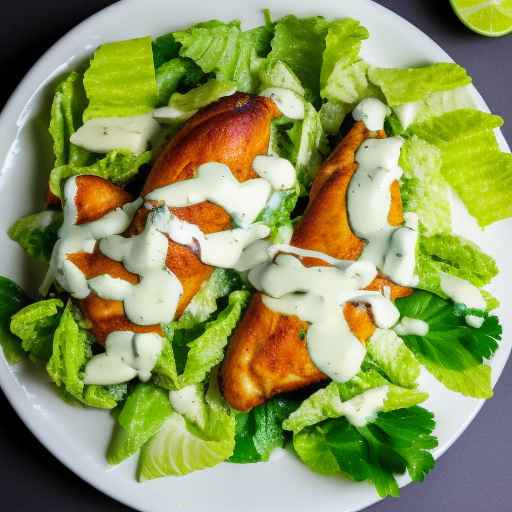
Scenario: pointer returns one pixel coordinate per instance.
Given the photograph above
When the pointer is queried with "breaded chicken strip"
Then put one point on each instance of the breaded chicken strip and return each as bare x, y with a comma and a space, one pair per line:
232, 131
267, 354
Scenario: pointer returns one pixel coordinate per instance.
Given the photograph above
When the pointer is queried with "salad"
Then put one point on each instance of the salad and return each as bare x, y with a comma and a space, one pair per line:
249, 246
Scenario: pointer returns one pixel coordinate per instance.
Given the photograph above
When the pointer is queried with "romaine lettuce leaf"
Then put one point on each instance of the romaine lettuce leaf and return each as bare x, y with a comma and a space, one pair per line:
453, 255
37, 233
203, 95
401, 86
140, 418
343, 73
119, 166
259, 431
187, 359
395, 442
391, 354
12, 299
182, 446
35, 325
423, 189
325, 402
279, 74
277, 213
299, 43
223, 49
332, 114
120, 80
452, 351
165, 48
68, 105
308, 145
472, 162
175, 74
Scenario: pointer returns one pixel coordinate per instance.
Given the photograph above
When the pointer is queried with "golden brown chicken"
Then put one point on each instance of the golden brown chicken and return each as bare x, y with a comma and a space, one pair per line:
231, 131
267, 354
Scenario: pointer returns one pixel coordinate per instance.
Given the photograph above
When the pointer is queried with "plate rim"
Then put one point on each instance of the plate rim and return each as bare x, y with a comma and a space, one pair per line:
14, 108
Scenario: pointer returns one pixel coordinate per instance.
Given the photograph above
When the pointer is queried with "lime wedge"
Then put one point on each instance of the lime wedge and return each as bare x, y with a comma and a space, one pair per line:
487, 17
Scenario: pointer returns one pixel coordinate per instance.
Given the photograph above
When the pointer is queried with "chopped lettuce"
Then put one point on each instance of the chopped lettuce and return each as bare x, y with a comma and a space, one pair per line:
309, 144
472, 162
299, 43
66, 116
187, 359
165, 48
452, 351
277, 213
12, 299
324, 403
223, 49
259, 431
279, 74
71, 349
140, 418
394, 442
181, 446
35, 325
343, 73
174, 74
401, 86
332, 114
453, 255
391, 354
120, 80
119, 166
37, 233
423, 188
203, 95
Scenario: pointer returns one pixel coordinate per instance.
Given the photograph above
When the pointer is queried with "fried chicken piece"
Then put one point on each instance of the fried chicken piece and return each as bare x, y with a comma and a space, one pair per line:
267, 354
232, 131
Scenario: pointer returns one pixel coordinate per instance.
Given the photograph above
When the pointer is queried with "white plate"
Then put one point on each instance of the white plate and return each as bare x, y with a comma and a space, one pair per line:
79, 437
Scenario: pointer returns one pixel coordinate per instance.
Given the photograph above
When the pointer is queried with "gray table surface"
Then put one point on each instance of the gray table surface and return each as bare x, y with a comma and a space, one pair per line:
476, 473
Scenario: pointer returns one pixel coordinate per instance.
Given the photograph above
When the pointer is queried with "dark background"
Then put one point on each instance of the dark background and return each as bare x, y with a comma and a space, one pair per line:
475, 475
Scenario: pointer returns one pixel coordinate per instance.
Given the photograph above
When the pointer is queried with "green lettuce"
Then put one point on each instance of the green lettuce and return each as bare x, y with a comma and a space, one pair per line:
189, 355
423, 189
142, 415
66, 117
203, 95
35, 325
37, 233
119, 166
453, 255
12, 299
279, 74
324, 403
308, 146
71, 349
175, 74
332, 114
165, 48
472, 162
223, 49
452, 351
395, 442
277, 213
299, 43
401, 86
120, 80
391, 354
259, 431
182, 446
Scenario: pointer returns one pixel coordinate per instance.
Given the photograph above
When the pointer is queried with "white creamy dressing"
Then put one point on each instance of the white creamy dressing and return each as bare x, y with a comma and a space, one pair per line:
253, 255
127, 355
363, 408
289, 103
463, 292
411, 326
279, 172
75, 238
221, 249
155, 298
102, 134
372, 112
214, 182
392, 250
317, 295
407, 112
